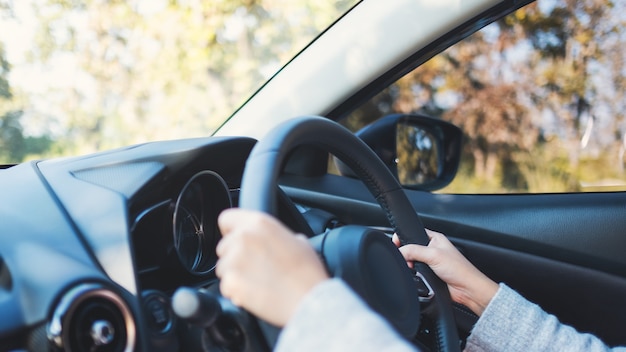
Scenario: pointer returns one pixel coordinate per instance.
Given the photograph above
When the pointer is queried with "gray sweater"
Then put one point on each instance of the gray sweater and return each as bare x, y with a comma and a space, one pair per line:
333, 318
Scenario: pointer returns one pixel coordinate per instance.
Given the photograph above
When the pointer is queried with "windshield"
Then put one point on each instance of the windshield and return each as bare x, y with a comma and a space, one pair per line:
82, 76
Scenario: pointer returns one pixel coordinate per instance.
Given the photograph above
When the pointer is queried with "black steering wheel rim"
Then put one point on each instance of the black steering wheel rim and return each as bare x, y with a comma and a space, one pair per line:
259, 190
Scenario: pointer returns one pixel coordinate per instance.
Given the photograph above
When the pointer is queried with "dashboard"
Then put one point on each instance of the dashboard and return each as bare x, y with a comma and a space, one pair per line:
124, 228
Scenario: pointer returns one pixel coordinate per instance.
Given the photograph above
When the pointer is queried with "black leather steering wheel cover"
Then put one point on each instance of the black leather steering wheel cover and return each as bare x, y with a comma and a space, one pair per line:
260, 183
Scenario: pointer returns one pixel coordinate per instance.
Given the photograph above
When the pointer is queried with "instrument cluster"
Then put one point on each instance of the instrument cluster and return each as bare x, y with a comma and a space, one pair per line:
174, 241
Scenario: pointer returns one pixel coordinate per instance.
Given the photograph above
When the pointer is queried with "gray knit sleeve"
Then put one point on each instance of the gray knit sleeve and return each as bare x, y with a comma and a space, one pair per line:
511, 323
333, 318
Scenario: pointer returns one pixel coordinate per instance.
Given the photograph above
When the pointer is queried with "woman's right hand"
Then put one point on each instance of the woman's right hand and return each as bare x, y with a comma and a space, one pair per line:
467, 285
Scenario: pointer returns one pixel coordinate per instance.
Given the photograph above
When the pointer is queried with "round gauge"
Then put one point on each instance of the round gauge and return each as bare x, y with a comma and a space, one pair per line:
195, 229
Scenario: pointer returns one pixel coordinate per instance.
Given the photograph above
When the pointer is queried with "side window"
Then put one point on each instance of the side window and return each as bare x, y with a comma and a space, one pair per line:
540, 96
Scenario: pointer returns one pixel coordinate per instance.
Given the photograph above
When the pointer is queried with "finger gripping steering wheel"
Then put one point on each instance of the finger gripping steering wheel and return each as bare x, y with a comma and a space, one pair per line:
259, 191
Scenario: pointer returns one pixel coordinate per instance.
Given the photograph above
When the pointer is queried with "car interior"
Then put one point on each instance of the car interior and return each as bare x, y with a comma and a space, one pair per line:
96, 249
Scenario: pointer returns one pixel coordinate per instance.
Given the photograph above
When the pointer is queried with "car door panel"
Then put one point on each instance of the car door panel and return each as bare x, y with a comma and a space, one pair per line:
562, 251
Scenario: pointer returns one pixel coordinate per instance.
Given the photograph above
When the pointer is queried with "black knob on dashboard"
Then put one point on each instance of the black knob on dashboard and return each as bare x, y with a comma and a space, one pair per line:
197, 307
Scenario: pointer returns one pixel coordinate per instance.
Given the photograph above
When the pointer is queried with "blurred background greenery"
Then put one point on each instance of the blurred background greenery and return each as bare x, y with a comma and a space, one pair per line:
81, 76
540, 96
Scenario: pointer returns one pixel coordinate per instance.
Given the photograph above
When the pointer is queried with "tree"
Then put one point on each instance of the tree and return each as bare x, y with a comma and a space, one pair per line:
158, 69
15, 145
547, 75
11, 138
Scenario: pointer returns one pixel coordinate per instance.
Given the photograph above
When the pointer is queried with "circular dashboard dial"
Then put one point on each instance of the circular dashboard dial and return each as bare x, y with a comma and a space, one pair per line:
195, 228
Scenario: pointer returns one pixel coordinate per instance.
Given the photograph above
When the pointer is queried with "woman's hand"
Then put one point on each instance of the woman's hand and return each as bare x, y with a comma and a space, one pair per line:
467, 285
263, 266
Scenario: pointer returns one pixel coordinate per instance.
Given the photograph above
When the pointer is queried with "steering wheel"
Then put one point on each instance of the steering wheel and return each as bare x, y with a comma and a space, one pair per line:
259, 191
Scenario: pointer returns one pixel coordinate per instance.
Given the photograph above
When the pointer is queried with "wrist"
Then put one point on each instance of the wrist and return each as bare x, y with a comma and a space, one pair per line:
481, 294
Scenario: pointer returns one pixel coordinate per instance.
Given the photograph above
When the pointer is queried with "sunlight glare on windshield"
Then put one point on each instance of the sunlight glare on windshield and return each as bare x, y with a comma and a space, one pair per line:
82, 76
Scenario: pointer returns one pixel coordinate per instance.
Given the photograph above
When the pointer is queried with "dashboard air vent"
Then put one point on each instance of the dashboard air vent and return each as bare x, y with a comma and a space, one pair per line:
91, 317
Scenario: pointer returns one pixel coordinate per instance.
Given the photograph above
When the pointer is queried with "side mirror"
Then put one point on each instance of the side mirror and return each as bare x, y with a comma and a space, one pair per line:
422, 152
